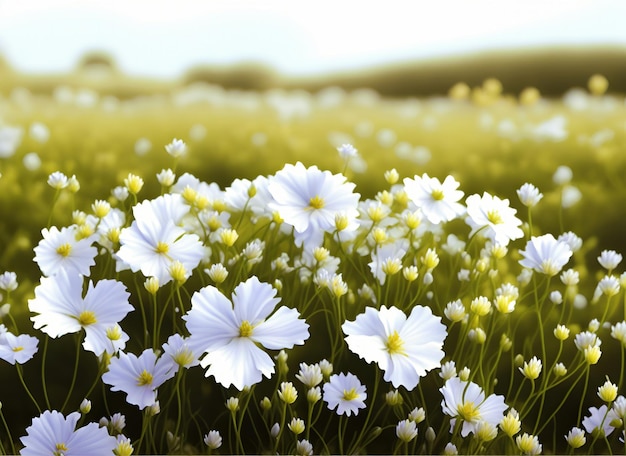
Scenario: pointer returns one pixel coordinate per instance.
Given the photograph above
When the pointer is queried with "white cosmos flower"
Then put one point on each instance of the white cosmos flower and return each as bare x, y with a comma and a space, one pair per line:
17, 349
545, 254
232, 333
62, 309
467, 401
309, 199
53, 433
600, 419
154, 240
139, 377
384, 254
345, 393
438, 201
59, 250
405, 348
494, 217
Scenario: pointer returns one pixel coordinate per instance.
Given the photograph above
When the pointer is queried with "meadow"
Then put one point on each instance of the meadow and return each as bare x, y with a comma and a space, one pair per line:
498, 313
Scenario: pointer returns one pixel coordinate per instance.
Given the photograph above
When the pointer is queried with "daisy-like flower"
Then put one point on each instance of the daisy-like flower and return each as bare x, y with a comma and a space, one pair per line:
139, 377
494, 217
345, 393
180, 352
387, 259
61, 250
17, 349
529, 195
609, 259
62, 309
176, 148
467, 401
8, 281
53, 433
57, 180
154, 240
545, 254
405, 348
599, 420
309, 199
232, 333
438, 201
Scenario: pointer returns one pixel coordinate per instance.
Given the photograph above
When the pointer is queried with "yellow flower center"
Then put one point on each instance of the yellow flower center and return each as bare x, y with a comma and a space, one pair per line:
87, 317
350, 395
468, 411
395, 345
65, 249
18, 349
145, 378
61, 448
184, 357
162, 248
494, 217
245, 330
317, 202
437, 194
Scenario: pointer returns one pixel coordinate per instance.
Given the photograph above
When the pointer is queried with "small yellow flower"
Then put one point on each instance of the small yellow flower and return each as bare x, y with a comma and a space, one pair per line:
288, 393
608, 391
152, 285
392, 176
480, 306
430, 259
561, 332
229, 236
592, 354
133, 183
532, 368
511, 423
296, 426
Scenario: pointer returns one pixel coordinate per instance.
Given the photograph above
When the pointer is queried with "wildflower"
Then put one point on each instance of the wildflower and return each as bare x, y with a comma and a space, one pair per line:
569, 277
480, 306
177, 148
493, 217
308, 199
17, 349
8, 281
288, 393
556, 297
405, 348
232, 333
609, 259
529, 195
545, 254
450, 449
387, 260
347, 151
154, 240
570, 196
213, 440
166, 177
448, 370
326, 367
455, 311
310, 375
123, 446
561, 332
53, 433
406, 430
313, 395
133, 183
599, 421
345, 393
217, 273
139, 377
608, 391
304, 448
609, 286
572, 240
511, 423
85, 406
485, 431
62, 309
180, 352
232, 404
393, 398
618, 331
57, 180
532, 368
576, 437
417, 415
592, 354
468, 403
562, 175
296, 426
438, 201
528, 444
60, 250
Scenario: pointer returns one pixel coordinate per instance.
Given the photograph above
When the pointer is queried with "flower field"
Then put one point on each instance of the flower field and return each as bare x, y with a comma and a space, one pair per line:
214, 271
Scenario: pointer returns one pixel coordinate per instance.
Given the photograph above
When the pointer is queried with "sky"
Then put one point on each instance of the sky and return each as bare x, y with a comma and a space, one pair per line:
164, 38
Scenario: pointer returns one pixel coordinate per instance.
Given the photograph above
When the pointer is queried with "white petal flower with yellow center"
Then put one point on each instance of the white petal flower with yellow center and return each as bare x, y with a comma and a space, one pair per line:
345, 393
17, 349
232, 333
139, 377
53, 433
437, 200
59, 249
545, 254
309, 200
62, 309
493, 217
405, 348
467, 401
155, 240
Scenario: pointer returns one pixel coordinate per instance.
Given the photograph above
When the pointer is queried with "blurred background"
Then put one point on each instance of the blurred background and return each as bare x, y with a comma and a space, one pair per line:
396, 47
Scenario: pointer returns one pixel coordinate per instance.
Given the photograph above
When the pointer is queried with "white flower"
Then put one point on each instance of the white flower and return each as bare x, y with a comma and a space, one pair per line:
576, 437
345, 393
467, 401
493, 217
53, 433
62, 309
545, 254
180, 352
528, 444
213, 440
8, 281
609, 259
59, 250
58, 180
232, 333
405, 348
387, 258
438, 201
177, 148
139, 377
570, 196
154, 240
406, 430
17, 349
572, 240
562, 175
309, 199
600, 420
529, 195
310, 375
347, 151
